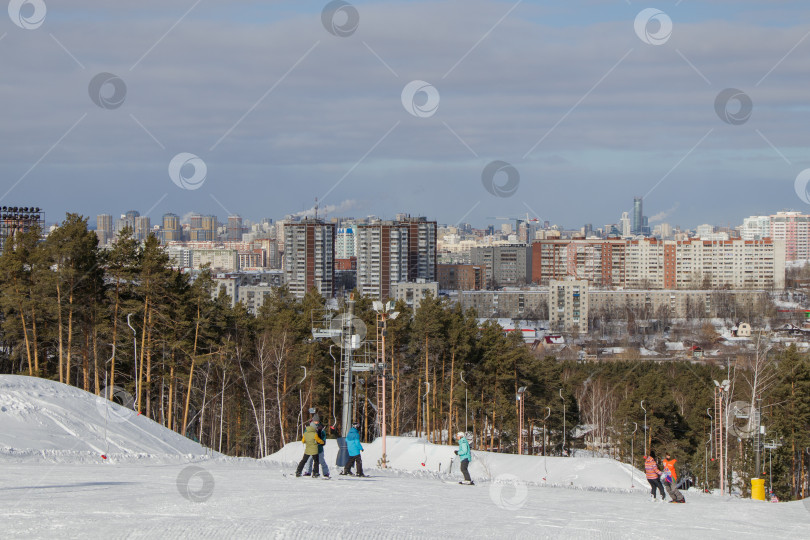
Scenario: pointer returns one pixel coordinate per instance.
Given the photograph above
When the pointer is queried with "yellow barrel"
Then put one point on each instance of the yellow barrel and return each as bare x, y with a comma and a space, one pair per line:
758, 489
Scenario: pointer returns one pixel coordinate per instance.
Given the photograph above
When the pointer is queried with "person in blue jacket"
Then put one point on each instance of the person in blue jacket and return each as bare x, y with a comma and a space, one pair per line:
354, 447
464, 455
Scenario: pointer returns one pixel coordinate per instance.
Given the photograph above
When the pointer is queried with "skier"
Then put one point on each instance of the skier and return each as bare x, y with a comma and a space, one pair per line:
354, 447
669, 463
321, 458
674, 494
464, 455
652, 471
311, 442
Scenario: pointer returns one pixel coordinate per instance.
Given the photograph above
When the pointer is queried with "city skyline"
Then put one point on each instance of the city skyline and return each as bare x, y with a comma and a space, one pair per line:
490, 108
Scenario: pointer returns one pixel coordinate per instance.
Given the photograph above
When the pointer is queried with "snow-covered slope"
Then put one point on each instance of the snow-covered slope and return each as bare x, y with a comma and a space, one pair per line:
46, 419
157, 484
412, 455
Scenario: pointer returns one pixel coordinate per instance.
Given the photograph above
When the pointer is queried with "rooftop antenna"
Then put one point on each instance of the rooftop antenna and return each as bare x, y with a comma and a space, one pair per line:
316, 208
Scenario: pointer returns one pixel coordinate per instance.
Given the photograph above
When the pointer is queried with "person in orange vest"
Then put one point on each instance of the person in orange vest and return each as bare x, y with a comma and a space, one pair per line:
652, 471
669, 463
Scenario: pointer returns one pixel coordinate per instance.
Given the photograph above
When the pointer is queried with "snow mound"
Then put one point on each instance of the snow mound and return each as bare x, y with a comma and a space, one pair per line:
410, 455
47, 420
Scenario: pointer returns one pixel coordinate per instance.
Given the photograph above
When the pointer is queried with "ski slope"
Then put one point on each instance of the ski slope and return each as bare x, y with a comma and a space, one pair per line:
156, 484
42, 419
410, 455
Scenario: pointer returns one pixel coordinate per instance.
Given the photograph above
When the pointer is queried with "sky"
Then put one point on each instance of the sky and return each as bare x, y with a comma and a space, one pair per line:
457, 110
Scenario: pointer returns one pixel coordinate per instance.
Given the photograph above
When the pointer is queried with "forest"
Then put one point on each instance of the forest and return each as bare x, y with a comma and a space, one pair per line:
121, 323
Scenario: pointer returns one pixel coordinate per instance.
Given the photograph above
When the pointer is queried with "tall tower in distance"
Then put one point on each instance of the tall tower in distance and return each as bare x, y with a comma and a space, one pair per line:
638, 216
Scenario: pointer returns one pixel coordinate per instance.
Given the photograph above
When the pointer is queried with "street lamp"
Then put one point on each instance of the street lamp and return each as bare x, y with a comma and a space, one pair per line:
137, 379
645, 428
465, 401
519, 396
384, 312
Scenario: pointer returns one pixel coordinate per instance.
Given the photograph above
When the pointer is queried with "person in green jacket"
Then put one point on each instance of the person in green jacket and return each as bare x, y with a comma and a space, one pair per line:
311, 442
321, 457
464, 455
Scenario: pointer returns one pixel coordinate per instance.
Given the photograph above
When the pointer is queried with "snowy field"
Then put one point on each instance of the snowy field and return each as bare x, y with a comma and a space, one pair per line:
156, 484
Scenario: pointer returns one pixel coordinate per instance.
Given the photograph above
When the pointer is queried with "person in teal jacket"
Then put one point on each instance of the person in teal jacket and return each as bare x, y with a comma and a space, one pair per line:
465, 456
354, 447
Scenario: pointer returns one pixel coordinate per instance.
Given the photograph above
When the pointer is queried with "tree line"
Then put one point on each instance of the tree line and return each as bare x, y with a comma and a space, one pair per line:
122, 318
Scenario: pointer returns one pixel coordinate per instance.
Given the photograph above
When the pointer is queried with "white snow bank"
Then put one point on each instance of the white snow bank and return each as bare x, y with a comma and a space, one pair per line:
415, 455
42, 419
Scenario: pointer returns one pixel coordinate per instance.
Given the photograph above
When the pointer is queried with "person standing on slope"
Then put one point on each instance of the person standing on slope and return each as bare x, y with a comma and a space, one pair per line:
464, 455
321, 458
354, 447
311, 442
669, 463
652, 471
670, 479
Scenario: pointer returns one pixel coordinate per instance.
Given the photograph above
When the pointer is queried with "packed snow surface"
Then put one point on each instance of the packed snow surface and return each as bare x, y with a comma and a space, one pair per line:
156, 484
46, 419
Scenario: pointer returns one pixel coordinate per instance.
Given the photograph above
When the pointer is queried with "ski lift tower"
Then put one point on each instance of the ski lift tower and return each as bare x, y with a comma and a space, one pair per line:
349, 333
720, 437
385, 312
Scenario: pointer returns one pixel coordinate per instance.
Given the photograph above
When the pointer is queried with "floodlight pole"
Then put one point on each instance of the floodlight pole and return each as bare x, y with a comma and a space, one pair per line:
465, 401
563, 408
757, 439
384, 458
633, 455
346, 349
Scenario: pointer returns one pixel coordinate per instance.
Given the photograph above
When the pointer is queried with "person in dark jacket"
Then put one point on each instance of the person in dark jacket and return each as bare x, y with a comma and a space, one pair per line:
464, 455
311, 442
321, 457
354, 447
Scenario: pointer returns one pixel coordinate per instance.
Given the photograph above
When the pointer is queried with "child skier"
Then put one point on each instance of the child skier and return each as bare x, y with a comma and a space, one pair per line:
669, 477
652, 471
311, 442
354, 447
464, 455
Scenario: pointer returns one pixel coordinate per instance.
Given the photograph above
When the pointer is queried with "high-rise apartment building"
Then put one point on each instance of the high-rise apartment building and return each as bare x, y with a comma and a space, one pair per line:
601, 262
171, 231
126, 221
104, 229
202, 228
143, 226
756, 228
649, 263
568, 305
625, 226
422, 259
17, 219
390, 252
504, 266
382, 258
234, 230
794, 229
345, 243
309, 251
